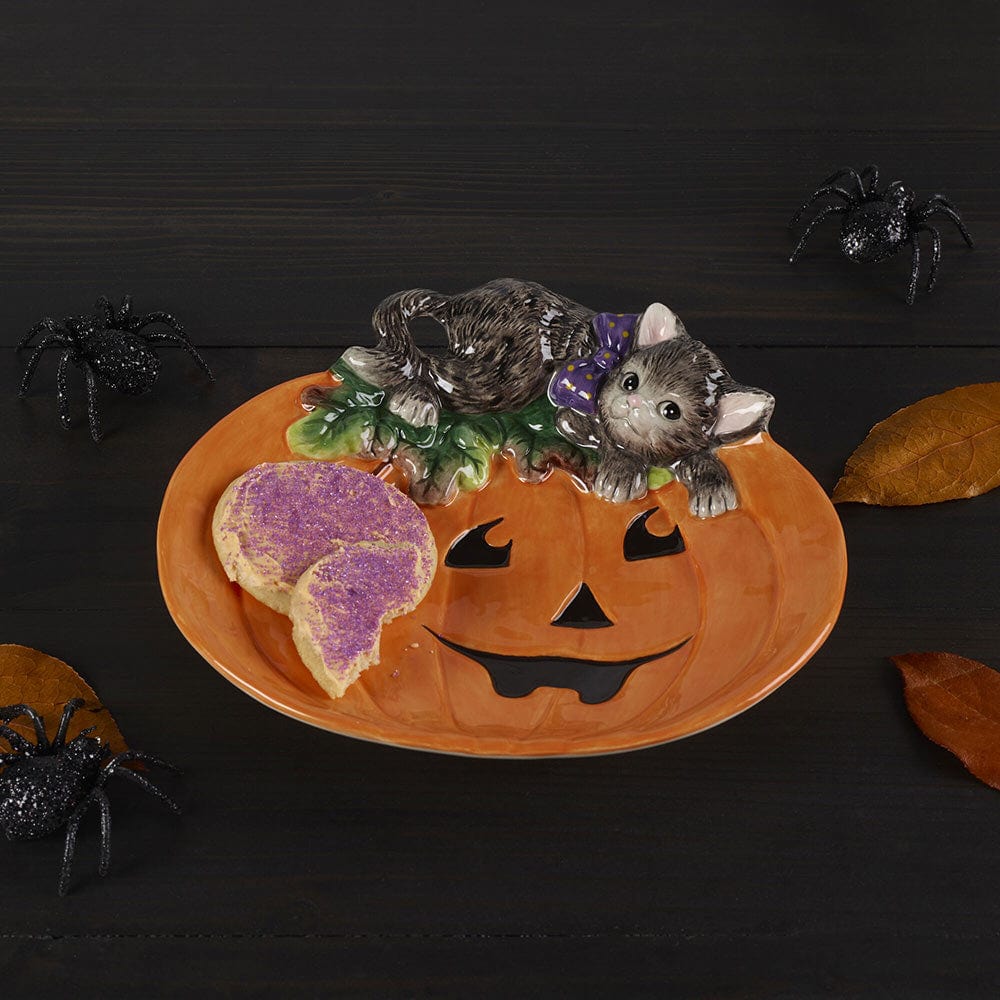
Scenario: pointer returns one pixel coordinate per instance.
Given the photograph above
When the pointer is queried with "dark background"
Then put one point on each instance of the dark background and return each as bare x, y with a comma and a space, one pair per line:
269, 172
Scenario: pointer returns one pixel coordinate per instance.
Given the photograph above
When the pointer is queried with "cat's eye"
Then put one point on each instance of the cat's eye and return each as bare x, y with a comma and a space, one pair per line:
630, 382
471, 550
641, 543
670, 411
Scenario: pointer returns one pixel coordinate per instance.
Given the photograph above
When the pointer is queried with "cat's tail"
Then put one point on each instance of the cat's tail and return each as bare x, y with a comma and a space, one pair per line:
397, 364
391, 315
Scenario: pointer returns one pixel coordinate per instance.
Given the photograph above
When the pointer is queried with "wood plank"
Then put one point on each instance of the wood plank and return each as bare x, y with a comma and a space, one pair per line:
691, 64
765, 961
291, 238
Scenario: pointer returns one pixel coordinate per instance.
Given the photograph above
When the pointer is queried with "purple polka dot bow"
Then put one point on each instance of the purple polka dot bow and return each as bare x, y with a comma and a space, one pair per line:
577, 383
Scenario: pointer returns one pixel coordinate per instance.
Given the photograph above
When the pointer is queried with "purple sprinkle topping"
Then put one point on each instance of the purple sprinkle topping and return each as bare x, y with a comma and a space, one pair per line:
351, 592
291, 513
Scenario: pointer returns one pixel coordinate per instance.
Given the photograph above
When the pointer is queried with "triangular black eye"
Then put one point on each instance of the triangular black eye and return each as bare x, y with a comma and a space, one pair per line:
640, 543
472, 551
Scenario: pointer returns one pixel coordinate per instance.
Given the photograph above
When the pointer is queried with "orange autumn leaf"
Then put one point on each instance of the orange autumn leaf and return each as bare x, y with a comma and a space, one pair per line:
956, 703
46, 684
945, 447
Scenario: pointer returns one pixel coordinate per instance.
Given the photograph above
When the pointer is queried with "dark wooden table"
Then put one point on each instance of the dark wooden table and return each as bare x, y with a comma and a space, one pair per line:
268, 172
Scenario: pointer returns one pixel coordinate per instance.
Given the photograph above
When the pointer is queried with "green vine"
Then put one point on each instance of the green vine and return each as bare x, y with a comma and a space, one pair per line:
353, 419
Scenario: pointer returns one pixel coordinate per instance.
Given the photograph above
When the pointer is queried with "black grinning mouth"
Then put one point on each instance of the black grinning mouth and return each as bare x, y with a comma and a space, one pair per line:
517, 676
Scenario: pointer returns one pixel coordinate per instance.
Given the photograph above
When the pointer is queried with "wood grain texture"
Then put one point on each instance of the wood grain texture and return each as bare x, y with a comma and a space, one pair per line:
562, 66
269, 172
591, 965
292, 238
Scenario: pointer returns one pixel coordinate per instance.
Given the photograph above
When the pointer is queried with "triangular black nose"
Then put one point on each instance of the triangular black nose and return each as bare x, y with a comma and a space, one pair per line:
583, 611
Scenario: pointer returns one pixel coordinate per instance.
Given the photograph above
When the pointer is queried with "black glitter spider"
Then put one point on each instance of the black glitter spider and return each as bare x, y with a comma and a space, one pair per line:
878, 223
111, 347
45, 786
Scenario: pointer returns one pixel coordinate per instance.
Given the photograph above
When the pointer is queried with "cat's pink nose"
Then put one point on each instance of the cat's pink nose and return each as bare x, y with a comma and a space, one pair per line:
634, 401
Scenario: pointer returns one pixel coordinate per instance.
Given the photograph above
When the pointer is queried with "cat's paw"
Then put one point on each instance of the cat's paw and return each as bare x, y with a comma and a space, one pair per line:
620, 485
713, 501
415, 406
710, 487
579, 428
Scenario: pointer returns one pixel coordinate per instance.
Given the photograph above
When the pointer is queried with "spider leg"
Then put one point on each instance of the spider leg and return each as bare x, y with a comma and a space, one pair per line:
16, 740
103, 305
915, 273
816, 195
112, 768
168, 319
47, 325
824, 214
935, 253
849, 172
93, 417
146, 758
73, 827
62, 388
179, 335
14, 711
125, 313
180, 338
71, 706
873, 183
83, 734
69, 849
933, 207
52, 340
941, 199
104, 859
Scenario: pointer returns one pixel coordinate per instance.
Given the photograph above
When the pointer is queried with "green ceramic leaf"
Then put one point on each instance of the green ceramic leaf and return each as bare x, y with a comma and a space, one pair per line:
535, 446
658, 477
459, 459
352, 419
329, 434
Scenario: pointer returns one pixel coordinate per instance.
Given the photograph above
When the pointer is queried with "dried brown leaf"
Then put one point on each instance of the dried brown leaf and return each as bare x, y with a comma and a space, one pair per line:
945, 447
46, 684
956, 703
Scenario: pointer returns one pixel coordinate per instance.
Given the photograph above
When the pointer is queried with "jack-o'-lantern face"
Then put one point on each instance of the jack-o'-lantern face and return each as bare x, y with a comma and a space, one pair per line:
545, 585
540, 583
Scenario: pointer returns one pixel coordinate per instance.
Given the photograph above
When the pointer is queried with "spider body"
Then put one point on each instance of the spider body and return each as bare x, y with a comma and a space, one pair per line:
877, 223
112, 347
40, 793
123, 362
874, 230
45, 785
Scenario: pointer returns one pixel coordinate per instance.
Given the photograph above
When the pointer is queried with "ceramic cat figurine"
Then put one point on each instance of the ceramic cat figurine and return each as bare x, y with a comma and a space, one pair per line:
635, 387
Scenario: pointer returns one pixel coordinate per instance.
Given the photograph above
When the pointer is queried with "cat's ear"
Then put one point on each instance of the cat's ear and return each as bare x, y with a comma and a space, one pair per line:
657, 325
742, 412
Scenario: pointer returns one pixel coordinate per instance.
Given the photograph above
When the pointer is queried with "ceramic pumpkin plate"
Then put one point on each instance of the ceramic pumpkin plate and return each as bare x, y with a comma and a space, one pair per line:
691, 621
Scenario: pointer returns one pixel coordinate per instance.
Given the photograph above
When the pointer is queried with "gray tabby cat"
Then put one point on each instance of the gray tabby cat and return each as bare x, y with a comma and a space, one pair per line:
668, 402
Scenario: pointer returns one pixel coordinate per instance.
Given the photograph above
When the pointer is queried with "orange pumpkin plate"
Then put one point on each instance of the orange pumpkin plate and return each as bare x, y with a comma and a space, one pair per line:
680, 643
